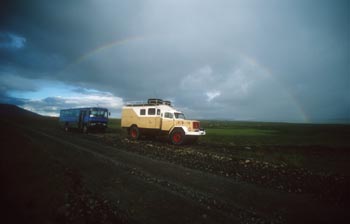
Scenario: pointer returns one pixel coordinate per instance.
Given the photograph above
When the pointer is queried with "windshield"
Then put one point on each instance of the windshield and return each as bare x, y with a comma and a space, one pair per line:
99, 113
179, 116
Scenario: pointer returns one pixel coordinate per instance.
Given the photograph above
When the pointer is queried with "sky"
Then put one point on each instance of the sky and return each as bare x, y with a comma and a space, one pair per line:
252, 60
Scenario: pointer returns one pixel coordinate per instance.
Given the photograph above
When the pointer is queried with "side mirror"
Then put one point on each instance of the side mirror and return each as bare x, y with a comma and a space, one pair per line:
109, 113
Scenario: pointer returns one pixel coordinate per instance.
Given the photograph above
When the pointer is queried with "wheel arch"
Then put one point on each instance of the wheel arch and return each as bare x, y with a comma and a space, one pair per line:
184, 129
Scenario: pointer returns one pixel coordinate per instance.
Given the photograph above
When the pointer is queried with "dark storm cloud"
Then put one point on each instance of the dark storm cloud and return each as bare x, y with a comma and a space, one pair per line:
11, 41
11, 100
254, 60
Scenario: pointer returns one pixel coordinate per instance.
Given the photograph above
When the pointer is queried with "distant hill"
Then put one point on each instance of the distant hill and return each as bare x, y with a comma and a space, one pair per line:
10, 110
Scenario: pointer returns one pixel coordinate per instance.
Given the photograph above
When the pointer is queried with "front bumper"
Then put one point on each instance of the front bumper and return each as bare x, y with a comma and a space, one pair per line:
200, 132
98, 125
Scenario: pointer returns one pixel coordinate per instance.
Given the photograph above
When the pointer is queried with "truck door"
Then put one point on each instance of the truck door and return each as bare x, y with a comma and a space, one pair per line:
83, 114
152, 119
158, 120
81, 119
167, 121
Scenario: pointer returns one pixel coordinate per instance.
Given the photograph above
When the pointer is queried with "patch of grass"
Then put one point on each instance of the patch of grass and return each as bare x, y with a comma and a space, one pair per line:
238, 136
319, 147
259, 133
239, 132
114, 123
114, 126
291, 157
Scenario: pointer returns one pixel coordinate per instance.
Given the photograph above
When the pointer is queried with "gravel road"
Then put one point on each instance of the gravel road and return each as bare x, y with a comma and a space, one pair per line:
116, 180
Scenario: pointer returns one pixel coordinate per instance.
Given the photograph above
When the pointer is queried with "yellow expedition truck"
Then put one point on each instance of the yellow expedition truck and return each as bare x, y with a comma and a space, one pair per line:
157, 117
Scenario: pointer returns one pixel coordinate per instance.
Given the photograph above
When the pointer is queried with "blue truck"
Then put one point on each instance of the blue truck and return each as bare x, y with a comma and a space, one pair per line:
84, 119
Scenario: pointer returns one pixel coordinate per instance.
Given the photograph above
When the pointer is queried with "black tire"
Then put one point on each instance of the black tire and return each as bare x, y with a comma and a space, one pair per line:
134, 132
177, 137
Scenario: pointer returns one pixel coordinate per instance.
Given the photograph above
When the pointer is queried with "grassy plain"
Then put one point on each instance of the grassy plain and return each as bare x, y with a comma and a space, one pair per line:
266, 133
319, 147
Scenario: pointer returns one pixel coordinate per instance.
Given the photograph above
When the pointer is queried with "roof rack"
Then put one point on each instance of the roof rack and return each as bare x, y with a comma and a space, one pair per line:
150, 102
155, 101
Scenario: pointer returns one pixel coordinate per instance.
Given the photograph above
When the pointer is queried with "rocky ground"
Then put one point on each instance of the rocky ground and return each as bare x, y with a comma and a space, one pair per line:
49, 176
38, 189
82, 206
223, 160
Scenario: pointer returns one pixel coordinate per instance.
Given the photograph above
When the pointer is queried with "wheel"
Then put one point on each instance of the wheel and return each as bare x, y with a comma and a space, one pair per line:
134, 132
177, 137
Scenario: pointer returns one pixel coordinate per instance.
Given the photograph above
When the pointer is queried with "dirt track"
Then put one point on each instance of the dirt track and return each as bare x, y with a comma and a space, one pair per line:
128, 185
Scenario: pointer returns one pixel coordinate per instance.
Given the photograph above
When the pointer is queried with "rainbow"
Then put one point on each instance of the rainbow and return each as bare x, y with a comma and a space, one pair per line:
100, 49
252, 60
293, 99
107, 46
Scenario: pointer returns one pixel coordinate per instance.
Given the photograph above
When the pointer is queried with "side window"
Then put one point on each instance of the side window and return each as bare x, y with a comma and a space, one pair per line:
168, 115
158, 111
142, 112
151, 111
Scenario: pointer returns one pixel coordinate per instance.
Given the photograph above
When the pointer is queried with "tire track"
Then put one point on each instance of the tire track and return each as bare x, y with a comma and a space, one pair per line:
228, 212
223, 197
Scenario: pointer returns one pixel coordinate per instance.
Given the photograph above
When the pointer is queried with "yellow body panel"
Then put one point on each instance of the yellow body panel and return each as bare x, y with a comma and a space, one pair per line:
167, 124
132, 116
129, 118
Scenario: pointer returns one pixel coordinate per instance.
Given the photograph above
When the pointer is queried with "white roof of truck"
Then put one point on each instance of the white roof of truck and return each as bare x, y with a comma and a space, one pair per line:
163, 108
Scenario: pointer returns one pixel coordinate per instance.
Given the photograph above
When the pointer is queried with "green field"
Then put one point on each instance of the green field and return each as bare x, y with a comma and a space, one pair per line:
265, 133
319, 147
